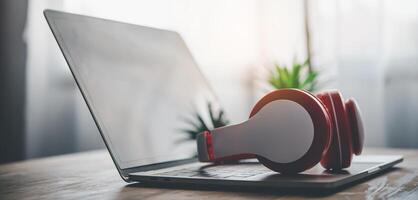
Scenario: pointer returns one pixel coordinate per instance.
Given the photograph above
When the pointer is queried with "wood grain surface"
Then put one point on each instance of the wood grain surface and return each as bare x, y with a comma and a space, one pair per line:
92, 175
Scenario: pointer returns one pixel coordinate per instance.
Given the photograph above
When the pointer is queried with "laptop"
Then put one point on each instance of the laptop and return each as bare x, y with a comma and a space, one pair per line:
143, 87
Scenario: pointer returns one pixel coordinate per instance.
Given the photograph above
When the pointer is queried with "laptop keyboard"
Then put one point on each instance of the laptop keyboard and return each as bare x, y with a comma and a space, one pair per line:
219, 171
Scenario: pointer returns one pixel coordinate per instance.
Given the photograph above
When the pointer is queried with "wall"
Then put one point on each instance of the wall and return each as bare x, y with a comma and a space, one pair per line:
12, 80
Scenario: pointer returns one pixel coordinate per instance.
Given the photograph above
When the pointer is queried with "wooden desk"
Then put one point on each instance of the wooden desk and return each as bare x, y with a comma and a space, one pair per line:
93, 175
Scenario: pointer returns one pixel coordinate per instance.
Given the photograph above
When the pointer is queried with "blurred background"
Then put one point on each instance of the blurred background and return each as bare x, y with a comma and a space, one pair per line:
368, 49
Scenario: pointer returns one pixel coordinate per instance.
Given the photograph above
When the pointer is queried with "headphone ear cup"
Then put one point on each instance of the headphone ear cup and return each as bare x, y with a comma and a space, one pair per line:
356, 124
321, 124
331, 157
339, 153
344, 129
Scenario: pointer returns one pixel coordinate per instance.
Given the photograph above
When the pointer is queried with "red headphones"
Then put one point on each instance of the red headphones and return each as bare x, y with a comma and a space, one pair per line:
289, 131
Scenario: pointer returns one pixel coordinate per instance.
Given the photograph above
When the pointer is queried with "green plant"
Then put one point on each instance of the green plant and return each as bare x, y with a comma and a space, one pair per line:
299, 76
198, 125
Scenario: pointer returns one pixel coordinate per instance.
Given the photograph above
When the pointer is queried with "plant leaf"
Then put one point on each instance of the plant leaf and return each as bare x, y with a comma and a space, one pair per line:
220, 121
202, 123
312, 87
309, 79
299, 76
274, 82
199, 124
295, 75
283, 76
212, 119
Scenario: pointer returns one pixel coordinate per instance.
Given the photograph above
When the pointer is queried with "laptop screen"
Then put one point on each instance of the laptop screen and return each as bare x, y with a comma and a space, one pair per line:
141, 85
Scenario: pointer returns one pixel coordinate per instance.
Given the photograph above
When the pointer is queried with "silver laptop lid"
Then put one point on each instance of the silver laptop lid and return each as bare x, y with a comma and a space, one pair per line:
140, 83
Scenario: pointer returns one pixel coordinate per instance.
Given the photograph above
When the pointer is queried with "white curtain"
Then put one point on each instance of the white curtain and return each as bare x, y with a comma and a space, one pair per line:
372, 48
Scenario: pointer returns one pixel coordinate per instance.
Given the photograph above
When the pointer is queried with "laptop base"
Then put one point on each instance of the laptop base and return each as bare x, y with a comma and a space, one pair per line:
250, 173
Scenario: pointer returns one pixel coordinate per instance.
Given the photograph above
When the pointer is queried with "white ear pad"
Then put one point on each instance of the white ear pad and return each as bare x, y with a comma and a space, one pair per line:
281, 131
